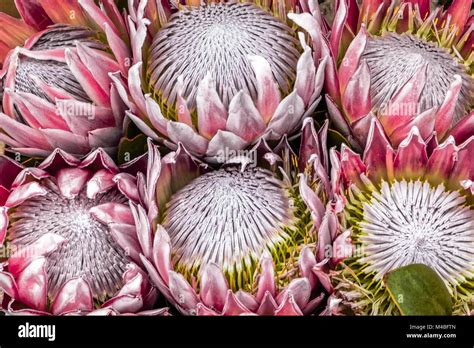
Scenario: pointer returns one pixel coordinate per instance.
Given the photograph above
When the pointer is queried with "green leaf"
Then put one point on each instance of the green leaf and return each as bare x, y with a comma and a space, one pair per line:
418, 290
131, 148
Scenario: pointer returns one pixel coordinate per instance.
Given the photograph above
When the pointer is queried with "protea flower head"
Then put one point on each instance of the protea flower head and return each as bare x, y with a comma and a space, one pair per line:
402, 63
248, 237
69, 238
55, 85
218, 77
407, 206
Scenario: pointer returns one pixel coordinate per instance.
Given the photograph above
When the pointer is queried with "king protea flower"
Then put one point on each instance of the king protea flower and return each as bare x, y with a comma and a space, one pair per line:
220, 76
402, 63
70, 238
55, 85
405, 206
246, 238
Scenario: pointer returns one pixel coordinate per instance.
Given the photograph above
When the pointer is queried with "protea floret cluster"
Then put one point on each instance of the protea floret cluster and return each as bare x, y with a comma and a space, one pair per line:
249, 237
407, 206
67, 230
402, 63
56, 91
218, 77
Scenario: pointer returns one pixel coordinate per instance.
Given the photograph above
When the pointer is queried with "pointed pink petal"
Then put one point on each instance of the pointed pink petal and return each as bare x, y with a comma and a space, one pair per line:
182, 133
300, 288
42, 113
352, 166
464, 166
212, 115
182, 292
411, 158
268, 305
425, 122
144, 228
125, 303
162, 252
266, 281
57, 160
288, 115
71, 181
377, 152
289, 307
8, 285
67, 141
441, 161
112, 212
268, 93
24, 192
155, 116
32, 285
247, 300
100, 182
463, 129
45, 245
305, 76
326, 234
233, 306
351, 60
340, 19
336, 116
126, 236
98, 160
105, 138
405, 102
86, 79
75, 295
127, 184
27, 136
320, 271
98, 63
356, 98
342, 247
459, 12
311, 200
213, 287
244, 119
203, 311
306, 262
3, 223
445, 114
223, 142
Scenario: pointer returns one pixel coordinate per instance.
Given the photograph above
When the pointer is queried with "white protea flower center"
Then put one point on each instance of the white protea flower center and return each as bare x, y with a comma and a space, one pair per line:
413, 222
228, 217
53, 73
394, 58
90, 251
217, 39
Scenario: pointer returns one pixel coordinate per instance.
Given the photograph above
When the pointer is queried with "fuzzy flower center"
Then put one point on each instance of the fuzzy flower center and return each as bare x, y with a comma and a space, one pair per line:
413, 222
217, 39
90, 251
393, 59
228, 217
51, 72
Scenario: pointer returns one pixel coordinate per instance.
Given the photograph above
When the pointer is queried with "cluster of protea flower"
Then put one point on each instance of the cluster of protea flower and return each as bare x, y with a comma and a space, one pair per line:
238, 191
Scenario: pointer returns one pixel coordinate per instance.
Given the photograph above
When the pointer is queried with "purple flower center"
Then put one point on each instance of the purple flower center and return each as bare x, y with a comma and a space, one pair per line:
393, 59
217, 39
228, 217
89, 252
